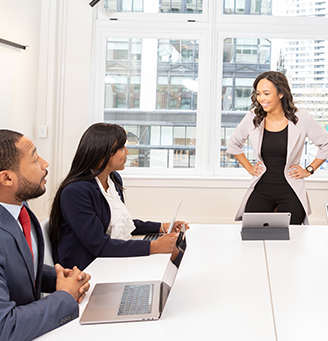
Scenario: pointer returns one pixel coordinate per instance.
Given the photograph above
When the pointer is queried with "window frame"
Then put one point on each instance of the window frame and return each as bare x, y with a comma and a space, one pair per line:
120, 29
210, 28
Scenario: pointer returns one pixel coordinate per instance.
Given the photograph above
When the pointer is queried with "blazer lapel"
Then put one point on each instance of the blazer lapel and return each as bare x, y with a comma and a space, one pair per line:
40, 244
9, 224
256, 136
293, 137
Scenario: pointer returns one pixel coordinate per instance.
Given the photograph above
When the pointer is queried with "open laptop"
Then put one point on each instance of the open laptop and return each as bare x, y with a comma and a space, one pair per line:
134, 301
265, 226
266, 220
154, 236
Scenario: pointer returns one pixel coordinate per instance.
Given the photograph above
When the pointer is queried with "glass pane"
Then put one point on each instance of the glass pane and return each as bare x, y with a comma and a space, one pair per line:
162, 97
158, 158
276, 7
134, 96
181, 6
167, 136
127, 6
153, 6
124, 5
227, 98
240, 6
179, 136
155, 136
228, 52
242, 98
229, 6
123, 73
255, 7
180, 158
304, 64
259, 7
152, 92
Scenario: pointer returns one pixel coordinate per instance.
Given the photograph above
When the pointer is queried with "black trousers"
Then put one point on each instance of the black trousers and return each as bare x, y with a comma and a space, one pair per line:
273, 192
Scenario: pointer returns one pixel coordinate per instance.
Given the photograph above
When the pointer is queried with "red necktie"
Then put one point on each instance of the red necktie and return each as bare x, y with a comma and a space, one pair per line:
24, 219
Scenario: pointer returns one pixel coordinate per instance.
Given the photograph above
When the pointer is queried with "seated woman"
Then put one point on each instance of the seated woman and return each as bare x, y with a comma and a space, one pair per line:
88, 218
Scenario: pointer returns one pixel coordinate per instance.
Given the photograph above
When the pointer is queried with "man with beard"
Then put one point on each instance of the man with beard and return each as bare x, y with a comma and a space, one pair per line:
23, 276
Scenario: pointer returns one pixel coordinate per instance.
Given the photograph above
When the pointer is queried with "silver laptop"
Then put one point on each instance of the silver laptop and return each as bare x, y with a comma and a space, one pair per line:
154, 236
134, 301
266, 220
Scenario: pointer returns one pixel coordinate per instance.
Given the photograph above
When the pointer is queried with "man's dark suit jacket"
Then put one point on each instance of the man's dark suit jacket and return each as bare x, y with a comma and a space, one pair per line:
23, 315
86, 215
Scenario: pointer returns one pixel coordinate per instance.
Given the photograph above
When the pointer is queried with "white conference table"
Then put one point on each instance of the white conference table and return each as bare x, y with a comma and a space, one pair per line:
298, 271
226, 289
221, 292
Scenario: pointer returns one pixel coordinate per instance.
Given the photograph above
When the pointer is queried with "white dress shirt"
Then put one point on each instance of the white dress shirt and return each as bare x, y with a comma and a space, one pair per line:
121, 224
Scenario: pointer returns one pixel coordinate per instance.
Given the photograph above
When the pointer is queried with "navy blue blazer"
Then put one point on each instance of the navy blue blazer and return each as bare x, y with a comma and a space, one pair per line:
23, 315
86, 216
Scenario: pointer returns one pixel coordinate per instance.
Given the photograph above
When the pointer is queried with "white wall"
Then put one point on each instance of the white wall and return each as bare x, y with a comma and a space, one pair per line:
51, 86
20, 23
206, 200
63, 86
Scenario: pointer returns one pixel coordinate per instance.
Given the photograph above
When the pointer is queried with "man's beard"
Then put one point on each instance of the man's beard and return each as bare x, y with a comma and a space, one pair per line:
28, 189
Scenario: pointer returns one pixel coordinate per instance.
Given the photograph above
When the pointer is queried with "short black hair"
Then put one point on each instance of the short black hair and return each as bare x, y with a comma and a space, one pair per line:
10, 155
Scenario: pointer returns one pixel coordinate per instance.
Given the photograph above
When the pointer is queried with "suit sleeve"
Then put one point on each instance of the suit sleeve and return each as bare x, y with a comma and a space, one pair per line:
28, 321
87, 222
49, 278
143, 227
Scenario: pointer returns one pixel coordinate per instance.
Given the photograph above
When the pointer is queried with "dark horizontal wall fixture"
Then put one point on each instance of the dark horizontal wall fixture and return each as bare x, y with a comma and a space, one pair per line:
93, 2
7, 42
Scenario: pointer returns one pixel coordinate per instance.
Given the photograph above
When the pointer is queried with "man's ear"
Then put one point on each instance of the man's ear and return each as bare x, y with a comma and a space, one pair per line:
7, 178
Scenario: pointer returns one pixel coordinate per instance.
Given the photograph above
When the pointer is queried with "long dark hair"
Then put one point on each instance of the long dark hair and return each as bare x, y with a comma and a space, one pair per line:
98, 143
280, 82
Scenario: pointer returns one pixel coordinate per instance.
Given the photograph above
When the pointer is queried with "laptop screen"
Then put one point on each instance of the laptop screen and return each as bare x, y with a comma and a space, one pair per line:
172, 268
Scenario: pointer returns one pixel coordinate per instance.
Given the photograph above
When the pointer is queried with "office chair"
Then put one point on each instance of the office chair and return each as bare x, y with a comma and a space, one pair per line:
47, 245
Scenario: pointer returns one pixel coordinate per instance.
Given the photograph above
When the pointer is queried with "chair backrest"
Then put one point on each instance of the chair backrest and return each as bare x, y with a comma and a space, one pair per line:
47, 245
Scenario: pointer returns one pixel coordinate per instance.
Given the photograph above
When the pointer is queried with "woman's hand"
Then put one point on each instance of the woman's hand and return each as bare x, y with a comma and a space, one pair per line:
297, 172
257, 169
176, 227
164, 244
254, 170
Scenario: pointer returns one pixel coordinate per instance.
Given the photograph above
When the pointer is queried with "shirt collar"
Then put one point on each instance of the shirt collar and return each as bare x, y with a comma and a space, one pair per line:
14, 210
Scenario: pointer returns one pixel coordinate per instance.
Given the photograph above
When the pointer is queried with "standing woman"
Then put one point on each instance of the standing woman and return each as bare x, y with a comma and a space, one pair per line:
88, 218
277, 130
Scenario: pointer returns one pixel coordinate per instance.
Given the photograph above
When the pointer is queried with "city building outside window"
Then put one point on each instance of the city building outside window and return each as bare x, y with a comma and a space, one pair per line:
151, 90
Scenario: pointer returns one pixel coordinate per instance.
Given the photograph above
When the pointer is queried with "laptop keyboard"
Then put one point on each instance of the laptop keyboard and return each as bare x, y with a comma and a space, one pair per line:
136, 299
153, 236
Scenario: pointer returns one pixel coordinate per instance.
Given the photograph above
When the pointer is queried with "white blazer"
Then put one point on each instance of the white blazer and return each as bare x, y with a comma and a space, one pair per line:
305, 127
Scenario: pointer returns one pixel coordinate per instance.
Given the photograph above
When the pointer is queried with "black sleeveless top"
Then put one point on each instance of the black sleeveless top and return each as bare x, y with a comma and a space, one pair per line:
274, 154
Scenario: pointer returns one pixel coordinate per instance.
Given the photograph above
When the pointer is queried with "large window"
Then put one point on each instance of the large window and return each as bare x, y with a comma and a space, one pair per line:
178, 75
